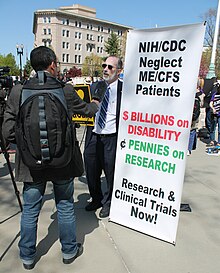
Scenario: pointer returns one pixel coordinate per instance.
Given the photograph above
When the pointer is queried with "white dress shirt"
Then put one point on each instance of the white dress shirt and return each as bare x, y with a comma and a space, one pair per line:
110, 126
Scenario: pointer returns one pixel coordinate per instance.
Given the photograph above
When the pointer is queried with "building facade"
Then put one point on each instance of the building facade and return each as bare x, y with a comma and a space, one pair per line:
74, 33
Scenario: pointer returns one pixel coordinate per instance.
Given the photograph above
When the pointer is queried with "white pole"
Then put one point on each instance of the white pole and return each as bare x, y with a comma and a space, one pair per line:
211, 72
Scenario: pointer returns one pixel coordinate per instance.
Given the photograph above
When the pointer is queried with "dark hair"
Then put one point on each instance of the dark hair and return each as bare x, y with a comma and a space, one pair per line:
41, 57
120, 63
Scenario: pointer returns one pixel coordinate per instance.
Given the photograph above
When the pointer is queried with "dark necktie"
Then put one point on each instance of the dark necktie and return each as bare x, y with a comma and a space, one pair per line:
103, 110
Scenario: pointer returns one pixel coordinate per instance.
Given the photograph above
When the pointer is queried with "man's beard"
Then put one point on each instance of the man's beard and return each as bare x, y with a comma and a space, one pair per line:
109, 78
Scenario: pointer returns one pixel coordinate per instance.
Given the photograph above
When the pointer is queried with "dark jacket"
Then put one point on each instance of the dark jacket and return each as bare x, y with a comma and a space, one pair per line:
118, 106
2, 102
74, 105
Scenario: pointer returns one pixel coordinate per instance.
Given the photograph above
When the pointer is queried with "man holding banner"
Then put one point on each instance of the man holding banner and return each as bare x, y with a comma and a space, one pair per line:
100, 146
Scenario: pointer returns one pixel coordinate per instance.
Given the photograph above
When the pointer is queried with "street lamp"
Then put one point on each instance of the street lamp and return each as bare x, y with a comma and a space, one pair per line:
20, 49
211, 72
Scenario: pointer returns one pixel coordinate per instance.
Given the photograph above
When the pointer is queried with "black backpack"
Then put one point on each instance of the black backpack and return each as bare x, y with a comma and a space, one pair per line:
43, 129
196, 109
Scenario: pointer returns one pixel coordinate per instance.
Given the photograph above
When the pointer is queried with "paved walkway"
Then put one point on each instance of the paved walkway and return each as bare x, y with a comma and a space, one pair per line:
111, 248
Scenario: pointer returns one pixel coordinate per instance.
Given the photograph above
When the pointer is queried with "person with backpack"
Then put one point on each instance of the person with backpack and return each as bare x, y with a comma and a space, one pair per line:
37, 119
194, 124
209, 90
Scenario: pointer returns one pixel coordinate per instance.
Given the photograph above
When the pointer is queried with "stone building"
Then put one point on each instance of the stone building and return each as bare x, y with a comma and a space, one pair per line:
74, 32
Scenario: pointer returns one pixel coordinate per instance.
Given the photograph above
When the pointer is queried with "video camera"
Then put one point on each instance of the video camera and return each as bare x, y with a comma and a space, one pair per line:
5, 80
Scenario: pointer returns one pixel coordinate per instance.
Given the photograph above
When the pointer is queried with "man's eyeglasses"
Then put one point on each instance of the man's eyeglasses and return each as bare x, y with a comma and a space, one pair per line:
107, 65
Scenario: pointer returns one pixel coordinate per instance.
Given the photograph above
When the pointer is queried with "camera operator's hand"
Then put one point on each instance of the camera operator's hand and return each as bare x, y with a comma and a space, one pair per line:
97, 102
99, 91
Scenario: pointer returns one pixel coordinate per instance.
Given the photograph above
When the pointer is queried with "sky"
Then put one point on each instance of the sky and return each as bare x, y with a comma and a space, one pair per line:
16, 17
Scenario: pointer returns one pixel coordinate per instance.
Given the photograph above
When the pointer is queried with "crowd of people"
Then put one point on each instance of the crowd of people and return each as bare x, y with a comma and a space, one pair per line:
207, 96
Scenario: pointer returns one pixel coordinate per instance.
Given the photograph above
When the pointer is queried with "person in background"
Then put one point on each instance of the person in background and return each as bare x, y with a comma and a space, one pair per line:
215, 117
209, 90
100, 144
16, 81
194, 124
3, 95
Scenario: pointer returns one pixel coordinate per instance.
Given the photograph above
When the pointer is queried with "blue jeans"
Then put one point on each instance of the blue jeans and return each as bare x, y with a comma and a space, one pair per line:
32, 195
208, 119
192, 140
214, 121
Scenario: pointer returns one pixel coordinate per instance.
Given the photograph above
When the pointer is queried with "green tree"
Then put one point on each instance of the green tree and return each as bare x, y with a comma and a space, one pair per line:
27, 68
9, 60
92, 65
205, 61
112, 45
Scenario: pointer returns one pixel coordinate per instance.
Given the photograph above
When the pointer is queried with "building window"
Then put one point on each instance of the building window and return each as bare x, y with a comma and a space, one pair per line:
65, 21
78, 46
63, 57
90, 37
67, 33
63, 32
65, 45
46, 20
67, 58
45, 31
89, 47
47, 42
77, 59
80, 35
89, 26
78, 24
49, 31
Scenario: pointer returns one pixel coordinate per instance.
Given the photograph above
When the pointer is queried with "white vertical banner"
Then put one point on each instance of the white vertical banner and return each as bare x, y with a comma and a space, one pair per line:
160, 76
